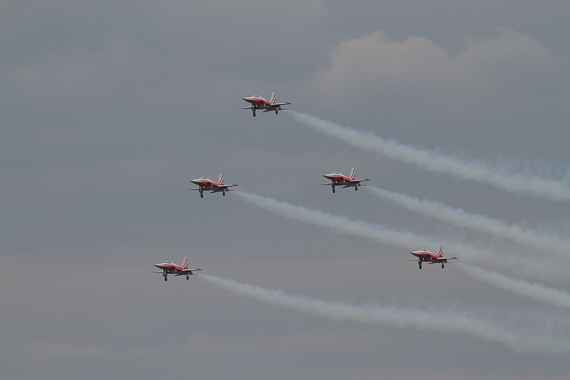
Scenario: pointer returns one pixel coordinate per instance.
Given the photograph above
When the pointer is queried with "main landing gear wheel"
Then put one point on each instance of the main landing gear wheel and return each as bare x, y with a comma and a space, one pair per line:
165, 277
442, 265
254, 112
356, 188
276, 112
187, 277
420, 264
224, 193
201, 193
333, 188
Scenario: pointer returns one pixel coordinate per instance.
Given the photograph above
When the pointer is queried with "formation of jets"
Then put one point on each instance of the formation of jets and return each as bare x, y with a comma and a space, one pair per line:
335, 178
430, 257
168, 267
257, 102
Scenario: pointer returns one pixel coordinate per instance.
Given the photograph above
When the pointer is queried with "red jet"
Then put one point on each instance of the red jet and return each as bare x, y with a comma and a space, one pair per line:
169, 267
209, 185
267, 105
344, 181
431, 258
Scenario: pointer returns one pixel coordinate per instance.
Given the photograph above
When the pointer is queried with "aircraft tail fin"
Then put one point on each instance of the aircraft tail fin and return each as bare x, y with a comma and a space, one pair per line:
221, 179
273, 98
440, 252
185, 263
352, 174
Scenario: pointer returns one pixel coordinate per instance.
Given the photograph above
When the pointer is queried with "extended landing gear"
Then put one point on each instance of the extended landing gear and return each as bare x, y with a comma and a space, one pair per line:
165, 276
224, 193
187, 277
276, 112
356, 188
420, 264
442, 265
253, 111
201, 193
333, 188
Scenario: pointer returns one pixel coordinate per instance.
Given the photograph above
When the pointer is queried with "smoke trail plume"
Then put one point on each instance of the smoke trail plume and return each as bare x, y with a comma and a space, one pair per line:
447, 321
338, 223
542, 268
435, 162
521, 287
481, 223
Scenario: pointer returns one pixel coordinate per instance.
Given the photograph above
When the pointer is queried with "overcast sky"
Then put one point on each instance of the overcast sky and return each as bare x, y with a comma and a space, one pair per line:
109, 108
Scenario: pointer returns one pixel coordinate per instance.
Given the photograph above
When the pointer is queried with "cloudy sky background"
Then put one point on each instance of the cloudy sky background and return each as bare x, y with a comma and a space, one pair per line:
107, 109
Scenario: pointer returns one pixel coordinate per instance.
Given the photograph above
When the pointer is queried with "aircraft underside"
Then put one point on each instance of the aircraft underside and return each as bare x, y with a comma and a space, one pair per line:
431, 262
165, 275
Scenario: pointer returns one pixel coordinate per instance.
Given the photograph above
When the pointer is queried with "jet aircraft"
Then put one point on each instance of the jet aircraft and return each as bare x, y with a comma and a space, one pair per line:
344, 181
168, 267
209, 185
431, 258
267, 105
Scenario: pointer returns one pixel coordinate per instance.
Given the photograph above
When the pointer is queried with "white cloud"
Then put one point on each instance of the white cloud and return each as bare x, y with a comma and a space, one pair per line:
374, 64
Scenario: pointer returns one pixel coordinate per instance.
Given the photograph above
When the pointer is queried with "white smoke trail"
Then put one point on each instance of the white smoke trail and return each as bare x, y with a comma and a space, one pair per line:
338, 223
543, 268
481, 223
521, 287
435, 162
446, 321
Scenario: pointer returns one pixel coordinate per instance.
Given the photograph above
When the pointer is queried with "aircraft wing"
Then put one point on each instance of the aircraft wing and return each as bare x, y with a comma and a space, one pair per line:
247, 108
326, 184
194, 189
440, 259
280, 104
359, 180
217, 189
185, 271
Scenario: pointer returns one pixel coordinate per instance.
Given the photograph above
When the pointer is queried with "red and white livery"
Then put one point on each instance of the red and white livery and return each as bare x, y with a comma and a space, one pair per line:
168, 267
431, 258
339, 179
257, 102
207, 184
